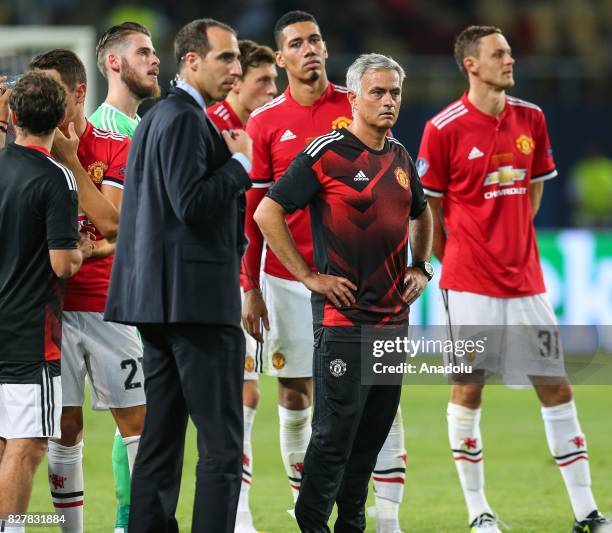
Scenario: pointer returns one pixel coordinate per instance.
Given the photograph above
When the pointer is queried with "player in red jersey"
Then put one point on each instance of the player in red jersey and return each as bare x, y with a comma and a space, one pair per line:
483, 161
255, 88
309, 107
110, 354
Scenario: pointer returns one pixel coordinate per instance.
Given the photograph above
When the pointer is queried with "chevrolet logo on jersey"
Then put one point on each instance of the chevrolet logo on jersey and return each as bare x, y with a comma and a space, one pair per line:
505, 176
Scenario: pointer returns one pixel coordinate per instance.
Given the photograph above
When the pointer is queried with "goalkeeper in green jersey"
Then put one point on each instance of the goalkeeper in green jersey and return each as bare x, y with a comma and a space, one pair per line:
127, 59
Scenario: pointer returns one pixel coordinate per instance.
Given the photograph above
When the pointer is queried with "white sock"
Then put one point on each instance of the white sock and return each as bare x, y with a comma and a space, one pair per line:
131, 445
66, 484
567, 444
466, 444
247, 460
389, 475
294, 436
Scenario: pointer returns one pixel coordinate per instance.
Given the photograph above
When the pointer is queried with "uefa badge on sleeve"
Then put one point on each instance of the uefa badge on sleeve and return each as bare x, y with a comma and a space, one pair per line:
337, 368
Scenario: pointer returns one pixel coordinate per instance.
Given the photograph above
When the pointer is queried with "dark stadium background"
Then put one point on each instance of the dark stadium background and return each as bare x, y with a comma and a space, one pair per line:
563, 50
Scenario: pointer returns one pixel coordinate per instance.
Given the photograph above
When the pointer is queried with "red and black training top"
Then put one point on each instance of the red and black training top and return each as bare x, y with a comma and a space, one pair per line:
38, 212
360, 203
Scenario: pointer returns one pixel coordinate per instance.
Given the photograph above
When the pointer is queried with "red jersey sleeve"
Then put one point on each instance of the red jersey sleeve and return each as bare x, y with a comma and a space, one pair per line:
543, 166
262, 178
251, 261
261, 172
432, 163
115, 174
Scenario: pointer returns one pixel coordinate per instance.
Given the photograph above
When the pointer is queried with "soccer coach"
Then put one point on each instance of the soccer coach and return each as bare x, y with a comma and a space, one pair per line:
176, 276
362, 190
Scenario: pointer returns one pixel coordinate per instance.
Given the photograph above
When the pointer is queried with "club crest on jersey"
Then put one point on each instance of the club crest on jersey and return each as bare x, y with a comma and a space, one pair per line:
278, 361
249, 363
337, 368
401, 177
341, 122
525, 144
96, 171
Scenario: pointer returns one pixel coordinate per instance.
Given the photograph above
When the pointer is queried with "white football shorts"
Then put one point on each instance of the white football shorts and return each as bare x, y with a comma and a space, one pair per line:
288, 346
109, 354
521, 334
31, 410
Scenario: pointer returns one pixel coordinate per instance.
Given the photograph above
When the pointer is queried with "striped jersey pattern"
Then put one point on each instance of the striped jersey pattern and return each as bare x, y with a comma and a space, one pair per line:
108, 117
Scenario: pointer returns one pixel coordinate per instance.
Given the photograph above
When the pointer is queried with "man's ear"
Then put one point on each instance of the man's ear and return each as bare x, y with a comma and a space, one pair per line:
352, 98
470, 64
192, 60
280, 60
113, 62
80, 92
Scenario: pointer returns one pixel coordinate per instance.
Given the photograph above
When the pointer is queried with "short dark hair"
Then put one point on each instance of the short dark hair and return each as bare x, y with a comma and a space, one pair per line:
66, 62
289, 18
39, 103
192, 37
115, 36
253, 55
468, 43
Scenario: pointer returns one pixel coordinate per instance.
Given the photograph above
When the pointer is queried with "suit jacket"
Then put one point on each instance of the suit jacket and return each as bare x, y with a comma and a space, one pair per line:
181, 234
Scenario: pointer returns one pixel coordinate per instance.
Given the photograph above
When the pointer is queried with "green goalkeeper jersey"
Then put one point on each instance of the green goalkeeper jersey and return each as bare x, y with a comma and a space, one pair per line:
108, 117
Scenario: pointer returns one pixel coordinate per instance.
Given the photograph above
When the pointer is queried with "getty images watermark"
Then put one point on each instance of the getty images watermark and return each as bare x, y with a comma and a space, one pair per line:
513, 355
459, 355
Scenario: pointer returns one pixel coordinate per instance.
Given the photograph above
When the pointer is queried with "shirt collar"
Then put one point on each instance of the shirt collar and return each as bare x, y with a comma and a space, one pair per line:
193, 92
324, 97
490, 118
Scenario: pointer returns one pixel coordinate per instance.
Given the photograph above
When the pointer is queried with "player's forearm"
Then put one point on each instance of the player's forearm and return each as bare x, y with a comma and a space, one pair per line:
99, 210
536, 191
66, 263
251, 262
421, 235
439, 232
270, 217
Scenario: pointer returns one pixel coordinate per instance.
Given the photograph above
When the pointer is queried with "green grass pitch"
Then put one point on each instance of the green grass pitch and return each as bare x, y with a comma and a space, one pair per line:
523, 483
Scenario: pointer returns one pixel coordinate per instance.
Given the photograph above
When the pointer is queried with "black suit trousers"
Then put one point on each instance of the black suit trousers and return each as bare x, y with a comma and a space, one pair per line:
350, 424
191, 370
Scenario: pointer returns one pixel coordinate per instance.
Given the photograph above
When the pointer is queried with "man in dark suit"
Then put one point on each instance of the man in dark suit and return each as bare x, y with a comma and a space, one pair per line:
176, 276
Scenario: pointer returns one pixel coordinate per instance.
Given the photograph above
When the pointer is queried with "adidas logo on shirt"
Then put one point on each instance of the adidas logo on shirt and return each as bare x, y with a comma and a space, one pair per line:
360, 176
287, 136
475, 154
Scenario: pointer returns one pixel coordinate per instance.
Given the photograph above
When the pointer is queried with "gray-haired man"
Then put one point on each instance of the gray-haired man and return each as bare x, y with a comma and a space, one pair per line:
369, 220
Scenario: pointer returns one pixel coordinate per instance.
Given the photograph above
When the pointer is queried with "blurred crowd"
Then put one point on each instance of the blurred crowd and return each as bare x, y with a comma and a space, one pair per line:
563, 50
580, 29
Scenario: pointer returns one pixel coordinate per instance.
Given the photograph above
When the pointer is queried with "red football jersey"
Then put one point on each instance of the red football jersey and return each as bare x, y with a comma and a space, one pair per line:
103, 155
224, 117
280, 130
482, 166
